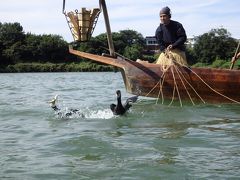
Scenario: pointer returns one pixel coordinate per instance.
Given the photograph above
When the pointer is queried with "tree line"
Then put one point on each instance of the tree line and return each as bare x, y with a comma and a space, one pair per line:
18, 47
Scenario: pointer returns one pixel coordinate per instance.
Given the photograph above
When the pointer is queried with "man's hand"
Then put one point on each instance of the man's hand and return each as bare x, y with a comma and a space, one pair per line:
166, 53
169, 47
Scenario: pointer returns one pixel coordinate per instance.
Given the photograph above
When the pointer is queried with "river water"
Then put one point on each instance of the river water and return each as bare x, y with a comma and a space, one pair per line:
151, 141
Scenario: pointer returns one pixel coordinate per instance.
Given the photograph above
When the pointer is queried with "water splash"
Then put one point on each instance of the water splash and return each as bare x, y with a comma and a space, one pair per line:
100, 114
87, 113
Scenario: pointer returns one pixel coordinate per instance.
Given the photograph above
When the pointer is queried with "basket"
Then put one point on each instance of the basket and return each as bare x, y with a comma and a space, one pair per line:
82, 23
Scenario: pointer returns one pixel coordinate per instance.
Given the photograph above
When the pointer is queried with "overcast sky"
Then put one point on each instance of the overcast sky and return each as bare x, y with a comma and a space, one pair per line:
197, 16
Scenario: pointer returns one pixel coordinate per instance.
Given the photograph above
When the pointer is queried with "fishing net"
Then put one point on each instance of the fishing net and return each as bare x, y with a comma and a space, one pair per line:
168, 58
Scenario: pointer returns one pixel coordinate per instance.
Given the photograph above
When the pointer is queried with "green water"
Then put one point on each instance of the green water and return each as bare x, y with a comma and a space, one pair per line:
152, 141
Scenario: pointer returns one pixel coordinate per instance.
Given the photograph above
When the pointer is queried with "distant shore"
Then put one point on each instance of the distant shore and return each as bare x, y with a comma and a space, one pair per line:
59, 67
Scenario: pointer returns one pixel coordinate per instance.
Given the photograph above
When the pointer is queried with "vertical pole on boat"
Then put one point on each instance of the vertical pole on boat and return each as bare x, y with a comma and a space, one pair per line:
108, 28
63, 9
232, 64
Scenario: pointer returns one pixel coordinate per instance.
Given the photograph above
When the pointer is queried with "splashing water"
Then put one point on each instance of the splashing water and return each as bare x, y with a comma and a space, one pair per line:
64, 112
100, 114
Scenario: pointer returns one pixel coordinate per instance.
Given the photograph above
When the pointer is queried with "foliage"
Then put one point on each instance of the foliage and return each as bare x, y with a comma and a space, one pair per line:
126, 42
191, 59
199, 64
11, 39
11, 33
216, 44
20, 51
149, 58
53, 67
45, 48
17, 46
218, 63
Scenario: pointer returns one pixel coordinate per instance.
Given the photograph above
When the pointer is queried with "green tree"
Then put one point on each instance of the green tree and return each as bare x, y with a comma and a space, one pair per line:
52, 48
129, 43
11, 33
132, 44
11, 39
133, 52
31, 47
16, 46
216, 44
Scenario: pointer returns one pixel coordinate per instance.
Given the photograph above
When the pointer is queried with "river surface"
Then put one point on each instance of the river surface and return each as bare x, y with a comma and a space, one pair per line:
151, 141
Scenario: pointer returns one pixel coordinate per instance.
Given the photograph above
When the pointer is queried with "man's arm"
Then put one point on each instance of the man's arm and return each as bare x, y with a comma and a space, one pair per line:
182, 37
159, 37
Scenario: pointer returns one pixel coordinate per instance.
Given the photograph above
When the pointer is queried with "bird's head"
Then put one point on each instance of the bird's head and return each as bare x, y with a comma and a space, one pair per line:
118, 93
53, 101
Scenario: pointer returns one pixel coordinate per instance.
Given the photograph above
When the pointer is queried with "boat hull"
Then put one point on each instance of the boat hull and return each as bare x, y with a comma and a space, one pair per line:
180, 83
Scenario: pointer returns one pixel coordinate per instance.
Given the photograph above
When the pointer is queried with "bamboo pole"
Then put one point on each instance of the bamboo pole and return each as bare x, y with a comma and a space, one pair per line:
108, 28
232, 64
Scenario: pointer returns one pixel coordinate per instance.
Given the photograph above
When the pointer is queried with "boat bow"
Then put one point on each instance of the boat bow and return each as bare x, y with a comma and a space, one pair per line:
102, 59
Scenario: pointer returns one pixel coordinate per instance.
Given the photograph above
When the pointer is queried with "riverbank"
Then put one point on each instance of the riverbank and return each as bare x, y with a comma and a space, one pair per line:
59, 67
89, 67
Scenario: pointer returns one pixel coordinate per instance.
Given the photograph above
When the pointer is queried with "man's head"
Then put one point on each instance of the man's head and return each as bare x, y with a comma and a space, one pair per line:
165, 15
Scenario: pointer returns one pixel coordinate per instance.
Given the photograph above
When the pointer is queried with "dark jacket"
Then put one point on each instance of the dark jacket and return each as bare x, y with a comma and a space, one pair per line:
173, 33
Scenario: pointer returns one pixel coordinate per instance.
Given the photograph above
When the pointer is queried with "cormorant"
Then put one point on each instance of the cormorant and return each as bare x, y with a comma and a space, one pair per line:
120, 109
69, 113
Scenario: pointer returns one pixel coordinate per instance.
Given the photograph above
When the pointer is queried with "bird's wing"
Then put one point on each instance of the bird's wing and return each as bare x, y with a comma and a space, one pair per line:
129, 101
132, 99
112, 107
54, 99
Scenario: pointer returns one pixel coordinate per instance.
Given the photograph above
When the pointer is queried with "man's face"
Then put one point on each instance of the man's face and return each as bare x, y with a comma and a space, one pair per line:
164, 18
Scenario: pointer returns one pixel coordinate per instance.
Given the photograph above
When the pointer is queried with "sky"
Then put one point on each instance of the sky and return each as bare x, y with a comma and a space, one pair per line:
197, 16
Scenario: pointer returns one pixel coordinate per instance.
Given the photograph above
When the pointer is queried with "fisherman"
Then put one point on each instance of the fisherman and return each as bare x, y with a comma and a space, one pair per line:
234, 58
171, 37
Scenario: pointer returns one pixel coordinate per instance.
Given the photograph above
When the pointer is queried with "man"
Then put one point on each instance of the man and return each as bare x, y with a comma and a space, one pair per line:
171, 37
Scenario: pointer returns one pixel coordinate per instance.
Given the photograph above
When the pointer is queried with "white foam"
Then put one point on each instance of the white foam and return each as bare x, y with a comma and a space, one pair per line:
66, 112
100, 114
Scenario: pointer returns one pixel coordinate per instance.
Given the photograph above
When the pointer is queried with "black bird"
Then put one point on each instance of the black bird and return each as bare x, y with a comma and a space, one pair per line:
53, 104
120, 109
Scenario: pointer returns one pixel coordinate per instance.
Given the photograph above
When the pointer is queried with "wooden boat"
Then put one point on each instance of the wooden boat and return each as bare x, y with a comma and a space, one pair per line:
177, 82
207, 85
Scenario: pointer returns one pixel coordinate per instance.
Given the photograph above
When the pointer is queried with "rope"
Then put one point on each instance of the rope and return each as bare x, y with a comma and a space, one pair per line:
176, 68
172, 96
175, 84
182, 78
211, 87
159, 92
160, 88
165, 69
192, 88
